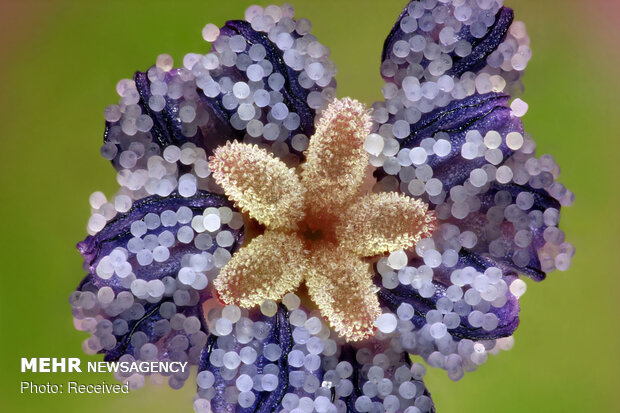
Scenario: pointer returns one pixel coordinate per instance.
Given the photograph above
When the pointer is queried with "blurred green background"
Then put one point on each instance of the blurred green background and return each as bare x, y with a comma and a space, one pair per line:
60, 61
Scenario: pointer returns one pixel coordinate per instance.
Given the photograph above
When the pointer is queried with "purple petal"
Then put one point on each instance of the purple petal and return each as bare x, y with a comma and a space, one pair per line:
507, 314
360, 371
265, 401
442, 85
253, 85
532, 226
481, 46
156, 329
117, 233
452, 316
480, 113
167, 125
452, 137
295, 97
313, 366
141, 331
150, 309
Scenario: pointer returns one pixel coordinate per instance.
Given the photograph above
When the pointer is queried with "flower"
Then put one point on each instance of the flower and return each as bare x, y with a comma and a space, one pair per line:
241, 176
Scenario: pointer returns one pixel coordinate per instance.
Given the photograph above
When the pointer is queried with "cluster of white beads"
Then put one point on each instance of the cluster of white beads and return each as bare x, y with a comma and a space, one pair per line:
240, 77
154, 174
418, 66
471, 299
123, 289
320, 378
418, 77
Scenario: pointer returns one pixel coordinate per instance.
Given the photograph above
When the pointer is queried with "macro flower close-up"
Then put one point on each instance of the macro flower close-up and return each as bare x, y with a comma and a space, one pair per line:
307, 252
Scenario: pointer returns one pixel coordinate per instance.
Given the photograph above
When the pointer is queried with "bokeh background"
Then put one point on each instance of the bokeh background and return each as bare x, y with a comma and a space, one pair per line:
59, 63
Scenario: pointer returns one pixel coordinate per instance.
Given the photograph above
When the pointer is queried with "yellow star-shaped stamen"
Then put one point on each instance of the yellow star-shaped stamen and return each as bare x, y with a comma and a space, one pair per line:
319, 226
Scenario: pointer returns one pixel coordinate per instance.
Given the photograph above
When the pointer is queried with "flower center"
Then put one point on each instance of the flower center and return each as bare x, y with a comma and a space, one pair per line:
320, 222
312, 235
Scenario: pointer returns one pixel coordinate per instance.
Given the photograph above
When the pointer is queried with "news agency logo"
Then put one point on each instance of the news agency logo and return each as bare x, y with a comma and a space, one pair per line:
73, 365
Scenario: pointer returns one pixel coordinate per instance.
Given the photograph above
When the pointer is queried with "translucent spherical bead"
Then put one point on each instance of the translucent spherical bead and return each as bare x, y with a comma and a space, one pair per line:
205, 379
386, 323
291, 301
210, 32
397, 259
269, 382
223, 327
269, 308
518, 287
